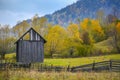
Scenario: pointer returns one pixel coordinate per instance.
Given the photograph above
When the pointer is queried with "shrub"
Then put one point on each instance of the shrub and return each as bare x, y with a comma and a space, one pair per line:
84, 50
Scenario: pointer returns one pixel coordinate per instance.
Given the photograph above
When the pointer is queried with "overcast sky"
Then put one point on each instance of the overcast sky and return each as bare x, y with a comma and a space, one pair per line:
12, 11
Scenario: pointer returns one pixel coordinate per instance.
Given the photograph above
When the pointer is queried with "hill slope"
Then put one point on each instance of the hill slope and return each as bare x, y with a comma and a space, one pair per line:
105, 46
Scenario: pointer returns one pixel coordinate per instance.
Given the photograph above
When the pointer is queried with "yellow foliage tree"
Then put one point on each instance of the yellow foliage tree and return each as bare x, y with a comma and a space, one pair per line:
40, 24
21, 28
73, 32
116, 36
55, 40
91, 25
74, 38
118, 27
92, 28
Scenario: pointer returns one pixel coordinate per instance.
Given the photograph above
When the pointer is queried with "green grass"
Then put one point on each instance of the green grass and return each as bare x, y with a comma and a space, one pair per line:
10, 56
73, 61
80, 61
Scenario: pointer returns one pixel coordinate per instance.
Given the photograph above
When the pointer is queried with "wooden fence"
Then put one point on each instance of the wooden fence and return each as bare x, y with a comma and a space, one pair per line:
111, 65
5, 65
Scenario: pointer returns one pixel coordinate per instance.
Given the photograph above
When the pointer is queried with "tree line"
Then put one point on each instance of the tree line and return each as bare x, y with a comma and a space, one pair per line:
75, 40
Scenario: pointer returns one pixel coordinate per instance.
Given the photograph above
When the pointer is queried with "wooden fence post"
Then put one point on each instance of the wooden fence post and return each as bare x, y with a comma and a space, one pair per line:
68, 68
72, 69
33, 66
44, 67
0, 64
93, 67
38, 67
41, 68
51, 67
110, 64
29, 67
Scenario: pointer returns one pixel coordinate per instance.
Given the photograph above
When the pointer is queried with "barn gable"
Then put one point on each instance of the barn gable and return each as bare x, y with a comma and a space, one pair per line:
32, 50
33, 36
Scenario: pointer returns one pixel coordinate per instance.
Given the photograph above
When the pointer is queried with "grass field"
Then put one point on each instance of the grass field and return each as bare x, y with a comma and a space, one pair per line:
80, 61
74, 61
34, 75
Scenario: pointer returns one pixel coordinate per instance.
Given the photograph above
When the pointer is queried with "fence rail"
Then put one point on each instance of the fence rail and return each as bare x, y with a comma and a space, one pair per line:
111, 65
4, 65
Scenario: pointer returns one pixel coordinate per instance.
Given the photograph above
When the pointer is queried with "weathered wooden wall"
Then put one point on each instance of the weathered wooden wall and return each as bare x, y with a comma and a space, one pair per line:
30, 51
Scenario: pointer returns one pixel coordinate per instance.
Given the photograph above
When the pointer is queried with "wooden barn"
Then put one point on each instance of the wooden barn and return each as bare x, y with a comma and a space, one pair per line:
31, 50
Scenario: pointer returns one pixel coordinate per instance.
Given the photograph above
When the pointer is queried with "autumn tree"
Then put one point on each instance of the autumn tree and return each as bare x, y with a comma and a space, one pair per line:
112, 29
117, 36
91, 30
21, 28
74, 37
39, 24
100, 16
73, 32
6, 40
114, 33
55, 40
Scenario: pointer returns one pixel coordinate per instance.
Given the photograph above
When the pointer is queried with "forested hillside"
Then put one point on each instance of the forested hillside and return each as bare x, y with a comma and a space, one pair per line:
83, 9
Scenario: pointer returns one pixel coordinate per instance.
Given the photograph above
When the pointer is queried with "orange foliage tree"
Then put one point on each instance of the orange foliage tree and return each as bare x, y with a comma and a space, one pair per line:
91, 30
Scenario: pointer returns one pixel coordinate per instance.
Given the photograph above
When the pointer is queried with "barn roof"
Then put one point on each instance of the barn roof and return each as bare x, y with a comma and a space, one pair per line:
29, 31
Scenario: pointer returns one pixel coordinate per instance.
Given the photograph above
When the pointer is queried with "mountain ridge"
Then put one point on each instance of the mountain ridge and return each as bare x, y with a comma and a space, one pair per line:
82, 9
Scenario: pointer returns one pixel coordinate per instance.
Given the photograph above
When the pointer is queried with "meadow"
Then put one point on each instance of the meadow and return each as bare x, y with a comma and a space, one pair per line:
80, 61
73, 61
64, 75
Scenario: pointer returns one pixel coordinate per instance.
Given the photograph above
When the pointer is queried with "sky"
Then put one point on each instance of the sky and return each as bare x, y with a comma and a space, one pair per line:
12, 11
